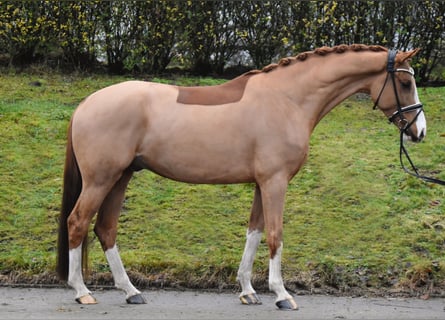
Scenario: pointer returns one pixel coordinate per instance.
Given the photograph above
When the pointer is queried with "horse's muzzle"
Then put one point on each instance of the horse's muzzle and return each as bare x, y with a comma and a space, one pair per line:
406, 126
414, 138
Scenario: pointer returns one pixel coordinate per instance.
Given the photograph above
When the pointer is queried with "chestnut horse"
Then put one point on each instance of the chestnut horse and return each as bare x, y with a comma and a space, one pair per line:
252, 129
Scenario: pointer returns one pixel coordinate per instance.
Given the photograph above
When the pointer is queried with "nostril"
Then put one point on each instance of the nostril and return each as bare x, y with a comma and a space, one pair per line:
422, 135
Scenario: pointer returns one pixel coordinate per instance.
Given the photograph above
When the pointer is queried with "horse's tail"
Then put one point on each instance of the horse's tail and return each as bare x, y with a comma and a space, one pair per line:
72, 186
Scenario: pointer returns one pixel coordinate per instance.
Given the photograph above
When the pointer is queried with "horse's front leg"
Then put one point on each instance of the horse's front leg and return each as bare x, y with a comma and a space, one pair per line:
273, 194
284, 300
253, 238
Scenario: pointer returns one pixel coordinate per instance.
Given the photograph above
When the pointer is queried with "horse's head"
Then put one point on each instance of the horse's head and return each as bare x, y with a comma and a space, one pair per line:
396, 95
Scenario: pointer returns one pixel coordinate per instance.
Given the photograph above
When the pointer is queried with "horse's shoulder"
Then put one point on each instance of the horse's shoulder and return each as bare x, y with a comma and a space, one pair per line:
228, 92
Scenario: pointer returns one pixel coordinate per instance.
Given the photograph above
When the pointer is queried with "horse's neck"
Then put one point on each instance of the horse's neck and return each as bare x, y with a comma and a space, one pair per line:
319, 85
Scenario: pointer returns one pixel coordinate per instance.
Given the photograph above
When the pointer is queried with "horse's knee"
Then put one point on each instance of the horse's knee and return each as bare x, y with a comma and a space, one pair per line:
274, 241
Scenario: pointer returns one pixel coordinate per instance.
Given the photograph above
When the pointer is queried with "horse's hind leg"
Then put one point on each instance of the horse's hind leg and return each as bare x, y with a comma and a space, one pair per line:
78, 222
106, 230
253, 238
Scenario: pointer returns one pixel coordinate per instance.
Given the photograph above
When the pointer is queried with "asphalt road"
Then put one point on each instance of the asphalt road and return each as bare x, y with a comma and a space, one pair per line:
58, 303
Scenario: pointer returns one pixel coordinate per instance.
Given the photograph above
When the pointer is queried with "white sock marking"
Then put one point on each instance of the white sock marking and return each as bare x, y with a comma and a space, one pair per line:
75, 279
253, 240
275, 279
121, 279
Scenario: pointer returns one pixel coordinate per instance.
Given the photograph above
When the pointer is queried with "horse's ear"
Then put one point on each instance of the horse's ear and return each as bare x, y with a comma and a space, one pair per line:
406, 56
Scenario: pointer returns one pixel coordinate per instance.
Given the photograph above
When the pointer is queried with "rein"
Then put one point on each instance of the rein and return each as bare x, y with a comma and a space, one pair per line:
391, 70
415, 172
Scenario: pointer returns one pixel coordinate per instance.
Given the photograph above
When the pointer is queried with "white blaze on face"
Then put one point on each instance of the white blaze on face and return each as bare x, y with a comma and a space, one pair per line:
420, 121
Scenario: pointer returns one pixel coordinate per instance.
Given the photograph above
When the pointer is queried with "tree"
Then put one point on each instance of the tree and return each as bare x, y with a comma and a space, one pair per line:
208, 38
24, 30
428, 35
77, 28
157, 23
262, 29
205, 36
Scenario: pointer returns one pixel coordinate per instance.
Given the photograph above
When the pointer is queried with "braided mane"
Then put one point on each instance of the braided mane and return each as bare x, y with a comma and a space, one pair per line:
322, 51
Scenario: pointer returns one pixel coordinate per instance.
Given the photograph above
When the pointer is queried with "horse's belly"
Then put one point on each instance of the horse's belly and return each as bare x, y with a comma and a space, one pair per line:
195, 164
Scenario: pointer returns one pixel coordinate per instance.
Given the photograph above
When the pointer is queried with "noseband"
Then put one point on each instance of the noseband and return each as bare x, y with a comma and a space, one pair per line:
399, 114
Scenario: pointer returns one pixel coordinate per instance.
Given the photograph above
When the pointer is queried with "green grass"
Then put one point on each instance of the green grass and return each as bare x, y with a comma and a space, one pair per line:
353, 218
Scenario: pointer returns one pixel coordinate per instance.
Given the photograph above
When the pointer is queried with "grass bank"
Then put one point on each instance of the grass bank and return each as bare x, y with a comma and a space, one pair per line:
353, 219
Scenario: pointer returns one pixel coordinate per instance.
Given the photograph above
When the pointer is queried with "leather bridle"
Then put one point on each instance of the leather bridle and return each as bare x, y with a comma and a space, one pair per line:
399, 113
404, 124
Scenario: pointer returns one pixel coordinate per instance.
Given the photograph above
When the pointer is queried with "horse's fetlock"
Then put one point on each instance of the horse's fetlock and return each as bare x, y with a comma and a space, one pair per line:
274, 284
244, 276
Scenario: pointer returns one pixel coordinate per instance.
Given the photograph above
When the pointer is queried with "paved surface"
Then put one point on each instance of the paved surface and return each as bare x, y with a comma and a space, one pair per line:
58, 303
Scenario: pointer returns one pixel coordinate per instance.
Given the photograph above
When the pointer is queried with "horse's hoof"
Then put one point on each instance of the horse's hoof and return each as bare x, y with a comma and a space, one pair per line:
250, 298
136, 299
86, 299
288, 304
